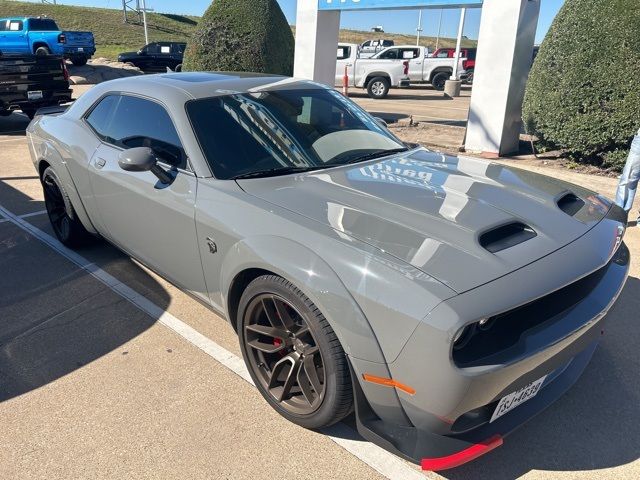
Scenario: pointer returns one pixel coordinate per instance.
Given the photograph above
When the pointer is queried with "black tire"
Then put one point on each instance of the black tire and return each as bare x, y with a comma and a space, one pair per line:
310, 338
29, 112
469, 79
42, 50
79, 61
439, 79
378, 87
64, 221
178, 68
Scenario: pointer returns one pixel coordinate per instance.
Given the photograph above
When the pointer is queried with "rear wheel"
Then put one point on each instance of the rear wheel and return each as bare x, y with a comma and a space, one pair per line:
62, 216
79, 61
439, 79
293, 354
29, 112
378, 87
42, 50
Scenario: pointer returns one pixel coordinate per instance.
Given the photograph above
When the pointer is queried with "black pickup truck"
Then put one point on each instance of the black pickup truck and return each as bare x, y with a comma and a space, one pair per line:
29, 82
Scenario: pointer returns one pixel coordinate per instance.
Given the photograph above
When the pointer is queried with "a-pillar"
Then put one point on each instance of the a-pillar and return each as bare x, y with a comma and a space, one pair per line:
503, 61
316, 42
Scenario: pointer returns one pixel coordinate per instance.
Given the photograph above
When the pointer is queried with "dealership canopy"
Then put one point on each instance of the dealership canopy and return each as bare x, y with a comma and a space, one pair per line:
503, 60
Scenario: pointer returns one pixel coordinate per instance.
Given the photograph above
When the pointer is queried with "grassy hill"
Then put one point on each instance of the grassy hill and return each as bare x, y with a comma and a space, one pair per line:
114, 36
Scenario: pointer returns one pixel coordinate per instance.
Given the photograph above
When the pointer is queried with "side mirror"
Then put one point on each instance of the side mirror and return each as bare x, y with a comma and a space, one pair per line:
142, 159
141, 52
381, 121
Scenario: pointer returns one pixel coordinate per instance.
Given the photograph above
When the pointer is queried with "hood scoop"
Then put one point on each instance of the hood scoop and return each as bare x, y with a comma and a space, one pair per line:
570, 204
506, 236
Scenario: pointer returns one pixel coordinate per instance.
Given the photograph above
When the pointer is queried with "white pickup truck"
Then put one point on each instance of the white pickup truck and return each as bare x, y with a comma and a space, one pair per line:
422, 69
377, 76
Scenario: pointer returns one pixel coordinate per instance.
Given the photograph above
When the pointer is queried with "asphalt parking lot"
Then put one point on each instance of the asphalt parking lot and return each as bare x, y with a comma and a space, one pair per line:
421, 102
108, 371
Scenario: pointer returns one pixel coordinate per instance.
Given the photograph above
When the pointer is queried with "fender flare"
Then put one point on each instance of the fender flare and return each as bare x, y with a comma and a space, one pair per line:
48, 154
315, 278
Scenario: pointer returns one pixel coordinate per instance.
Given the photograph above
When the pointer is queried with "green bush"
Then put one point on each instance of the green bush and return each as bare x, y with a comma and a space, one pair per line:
242, 36
583, 94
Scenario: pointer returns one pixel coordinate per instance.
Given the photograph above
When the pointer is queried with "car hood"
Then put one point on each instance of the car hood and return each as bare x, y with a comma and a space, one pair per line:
432, 211
128, 55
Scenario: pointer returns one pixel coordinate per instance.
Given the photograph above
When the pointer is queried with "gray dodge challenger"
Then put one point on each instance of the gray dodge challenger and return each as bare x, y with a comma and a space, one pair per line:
443, 300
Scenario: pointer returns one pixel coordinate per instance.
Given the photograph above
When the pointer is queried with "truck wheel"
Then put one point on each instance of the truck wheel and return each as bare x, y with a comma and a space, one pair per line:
79, 61
439, 79
469, 80
29, 112
178, 68
378, 87
66, 225
42, 50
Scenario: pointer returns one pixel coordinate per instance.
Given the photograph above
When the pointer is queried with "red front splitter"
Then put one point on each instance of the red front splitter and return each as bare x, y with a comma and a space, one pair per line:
463, 456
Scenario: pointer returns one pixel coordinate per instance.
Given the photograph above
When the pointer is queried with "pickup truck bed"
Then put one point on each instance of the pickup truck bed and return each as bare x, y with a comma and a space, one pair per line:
29, 82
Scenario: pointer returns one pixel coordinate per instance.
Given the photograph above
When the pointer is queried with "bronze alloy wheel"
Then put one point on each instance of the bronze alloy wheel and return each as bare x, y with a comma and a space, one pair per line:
284, 354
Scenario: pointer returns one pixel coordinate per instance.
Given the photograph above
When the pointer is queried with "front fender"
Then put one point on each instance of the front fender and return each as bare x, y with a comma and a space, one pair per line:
315, 278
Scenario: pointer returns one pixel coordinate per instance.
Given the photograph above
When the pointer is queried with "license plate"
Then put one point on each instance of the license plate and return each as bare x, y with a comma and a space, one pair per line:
34, 95
511, 401
81, 49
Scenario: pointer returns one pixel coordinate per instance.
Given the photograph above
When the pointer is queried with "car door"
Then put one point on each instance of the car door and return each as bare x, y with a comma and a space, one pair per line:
412, 55
146, 59
343, 60
152, 221
14, 39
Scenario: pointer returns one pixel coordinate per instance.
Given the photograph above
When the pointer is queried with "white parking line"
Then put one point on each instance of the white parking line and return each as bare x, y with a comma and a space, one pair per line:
377, 458
34, 214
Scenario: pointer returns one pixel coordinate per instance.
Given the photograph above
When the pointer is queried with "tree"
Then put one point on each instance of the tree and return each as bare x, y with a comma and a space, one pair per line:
244, 36
583, 94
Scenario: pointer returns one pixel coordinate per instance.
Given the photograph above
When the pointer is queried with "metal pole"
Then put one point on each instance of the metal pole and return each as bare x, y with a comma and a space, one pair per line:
124, 10
419, 29
456, 59
439, 29
144, 20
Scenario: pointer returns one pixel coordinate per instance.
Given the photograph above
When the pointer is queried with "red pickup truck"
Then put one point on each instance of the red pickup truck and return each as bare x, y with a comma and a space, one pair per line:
468, 53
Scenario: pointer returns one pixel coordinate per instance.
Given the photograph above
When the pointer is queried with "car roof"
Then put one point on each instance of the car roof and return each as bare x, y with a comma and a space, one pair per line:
195, 85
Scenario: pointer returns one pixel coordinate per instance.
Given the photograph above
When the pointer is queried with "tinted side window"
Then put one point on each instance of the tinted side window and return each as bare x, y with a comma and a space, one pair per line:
391, 54
101, 115
152, 48
42, 25
344, 53
136, 122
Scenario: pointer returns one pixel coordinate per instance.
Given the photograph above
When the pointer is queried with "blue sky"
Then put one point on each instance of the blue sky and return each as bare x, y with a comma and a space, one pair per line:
400, 21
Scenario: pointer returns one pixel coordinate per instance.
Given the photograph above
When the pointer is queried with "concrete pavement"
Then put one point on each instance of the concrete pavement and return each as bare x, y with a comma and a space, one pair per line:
93, 387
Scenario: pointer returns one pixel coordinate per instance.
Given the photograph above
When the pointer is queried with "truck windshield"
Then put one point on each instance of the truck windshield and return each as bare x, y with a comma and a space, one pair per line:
285, 131
42, 25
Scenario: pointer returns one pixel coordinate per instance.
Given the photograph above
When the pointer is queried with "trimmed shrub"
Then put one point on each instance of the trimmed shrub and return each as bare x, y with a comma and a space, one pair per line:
583, 94
242, 36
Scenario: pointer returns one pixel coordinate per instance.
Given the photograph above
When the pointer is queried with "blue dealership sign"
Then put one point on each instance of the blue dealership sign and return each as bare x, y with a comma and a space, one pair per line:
381, 4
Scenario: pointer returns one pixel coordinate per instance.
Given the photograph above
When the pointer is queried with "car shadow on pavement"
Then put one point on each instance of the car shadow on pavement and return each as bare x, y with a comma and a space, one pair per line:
595, 424
55, 317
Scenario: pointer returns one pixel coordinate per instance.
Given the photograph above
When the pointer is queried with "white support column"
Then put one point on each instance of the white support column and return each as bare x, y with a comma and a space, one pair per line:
316, 43
503, 61
454, 75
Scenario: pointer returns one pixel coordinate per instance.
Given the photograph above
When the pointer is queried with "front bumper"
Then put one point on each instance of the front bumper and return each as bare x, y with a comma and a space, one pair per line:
447, 421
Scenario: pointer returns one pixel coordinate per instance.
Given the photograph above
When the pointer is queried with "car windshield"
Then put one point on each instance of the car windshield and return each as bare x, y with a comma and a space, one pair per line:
280, 132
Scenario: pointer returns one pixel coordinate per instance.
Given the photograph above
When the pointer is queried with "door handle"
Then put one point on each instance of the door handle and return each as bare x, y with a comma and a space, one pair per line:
100, 162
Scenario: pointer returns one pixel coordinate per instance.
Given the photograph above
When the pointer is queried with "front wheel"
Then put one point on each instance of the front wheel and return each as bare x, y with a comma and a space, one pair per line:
378, 87
62, 216
293, 354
